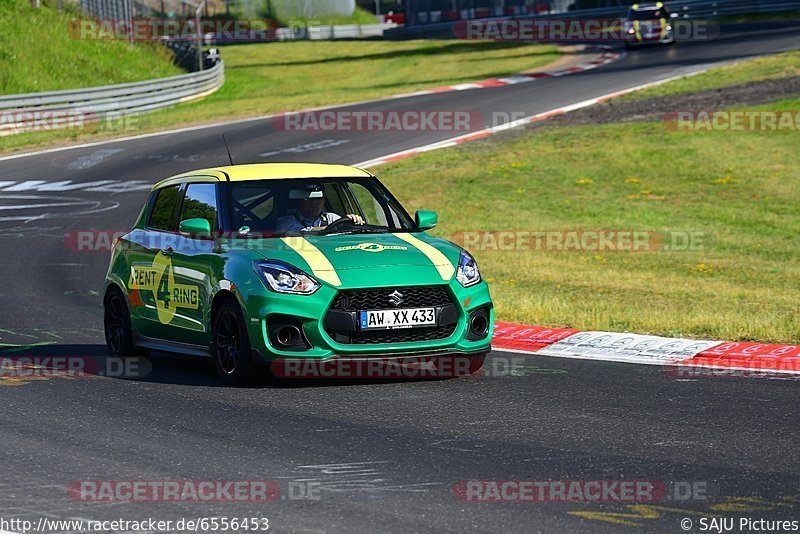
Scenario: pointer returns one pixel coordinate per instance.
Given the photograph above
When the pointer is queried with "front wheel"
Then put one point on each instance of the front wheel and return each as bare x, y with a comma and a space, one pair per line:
231, 349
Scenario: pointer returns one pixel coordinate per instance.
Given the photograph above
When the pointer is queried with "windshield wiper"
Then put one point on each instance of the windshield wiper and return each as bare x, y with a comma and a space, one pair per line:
359, 230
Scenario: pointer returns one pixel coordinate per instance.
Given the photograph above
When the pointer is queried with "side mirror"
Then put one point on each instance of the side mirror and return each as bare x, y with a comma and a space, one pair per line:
196, 228
426, 219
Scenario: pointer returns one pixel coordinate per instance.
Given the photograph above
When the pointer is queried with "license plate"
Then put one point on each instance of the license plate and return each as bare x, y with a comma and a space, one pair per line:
402, 318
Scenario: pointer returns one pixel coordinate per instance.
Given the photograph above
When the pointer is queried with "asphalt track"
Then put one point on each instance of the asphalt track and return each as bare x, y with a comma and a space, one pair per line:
387, 454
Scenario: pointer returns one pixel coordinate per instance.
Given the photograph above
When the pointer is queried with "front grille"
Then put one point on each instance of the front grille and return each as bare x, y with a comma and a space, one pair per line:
378, 299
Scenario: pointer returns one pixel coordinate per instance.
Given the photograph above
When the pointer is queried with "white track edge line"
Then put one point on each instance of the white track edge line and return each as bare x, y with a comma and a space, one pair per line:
527, 120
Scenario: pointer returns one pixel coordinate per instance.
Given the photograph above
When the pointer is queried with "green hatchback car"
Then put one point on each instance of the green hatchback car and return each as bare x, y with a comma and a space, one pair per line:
287, 262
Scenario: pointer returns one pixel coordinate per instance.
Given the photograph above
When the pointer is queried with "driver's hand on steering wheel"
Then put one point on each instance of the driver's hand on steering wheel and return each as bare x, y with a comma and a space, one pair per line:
357, 219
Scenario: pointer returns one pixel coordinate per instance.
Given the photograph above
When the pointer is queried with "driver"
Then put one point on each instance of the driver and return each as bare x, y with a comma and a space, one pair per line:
309, 213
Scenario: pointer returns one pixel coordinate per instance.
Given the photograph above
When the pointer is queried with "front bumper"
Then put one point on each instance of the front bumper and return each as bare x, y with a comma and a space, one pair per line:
262, 307
632, 40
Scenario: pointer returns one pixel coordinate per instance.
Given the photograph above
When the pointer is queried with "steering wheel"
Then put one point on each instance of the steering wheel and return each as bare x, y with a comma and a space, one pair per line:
337, 223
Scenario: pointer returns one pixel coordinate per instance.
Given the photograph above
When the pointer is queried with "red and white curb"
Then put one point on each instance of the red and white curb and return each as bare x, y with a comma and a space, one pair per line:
606, 57
646, 349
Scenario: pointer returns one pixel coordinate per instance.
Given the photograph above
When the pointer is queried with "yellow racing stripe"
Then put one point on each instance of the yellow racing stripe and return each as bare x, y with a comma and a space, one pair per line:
439, 260
320, 265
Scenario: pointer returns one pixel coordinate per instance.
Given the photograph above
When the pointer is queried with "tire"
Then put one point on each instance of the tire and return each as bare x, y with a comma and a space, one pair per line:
230, 348
117, 324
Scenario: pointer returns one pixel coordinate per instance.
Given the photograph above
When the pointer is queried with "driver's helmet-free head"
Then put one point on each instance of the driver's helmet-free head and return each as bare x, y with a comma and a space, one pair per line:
309, 192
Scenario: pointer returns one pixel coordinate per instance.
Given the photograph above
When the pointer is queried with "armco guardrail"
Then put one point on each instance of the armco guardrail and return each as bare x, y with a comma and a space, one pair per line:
301, 33
63, 109
346, 31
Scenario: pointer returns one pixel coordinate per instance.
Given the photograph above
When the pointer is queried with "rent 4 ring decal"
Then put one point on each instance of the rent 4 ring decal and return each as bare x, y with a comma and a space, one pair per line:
159, 279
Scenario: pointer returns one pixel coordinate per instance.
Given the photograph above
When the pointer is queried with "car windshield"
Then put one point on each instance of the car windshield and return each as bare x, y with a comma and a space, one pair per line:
316, 206
647, 14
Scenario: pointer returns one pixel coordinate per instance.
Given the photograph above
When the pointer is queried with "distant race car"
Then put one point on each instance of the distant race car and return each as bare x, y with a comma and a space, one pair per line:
648, 24
249, 264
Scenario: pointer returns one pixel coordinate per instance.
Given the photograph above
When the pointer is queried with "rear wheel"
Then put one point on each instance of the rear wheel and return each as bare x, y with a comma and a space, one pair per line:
231, 348
117, 324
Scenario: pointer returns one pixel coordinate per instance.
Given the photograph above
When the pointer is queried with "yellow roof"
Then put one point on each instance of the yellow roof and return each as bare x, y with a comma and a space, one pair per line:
271, 171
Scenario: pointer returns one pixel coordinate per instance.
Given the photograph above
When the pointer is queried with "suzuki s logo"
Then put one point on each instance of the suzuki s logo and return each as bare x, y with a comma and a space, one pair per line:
395, 298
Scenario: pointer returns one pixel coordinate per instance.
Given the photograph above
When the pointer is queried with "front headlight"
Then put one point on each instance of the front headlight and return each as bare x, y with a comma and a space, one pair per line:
284, 278
468, 274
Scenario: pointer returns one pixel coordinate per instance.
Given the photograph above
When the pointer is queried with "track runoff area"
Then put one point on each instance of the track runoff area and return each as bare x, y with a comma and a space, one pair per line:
685, 357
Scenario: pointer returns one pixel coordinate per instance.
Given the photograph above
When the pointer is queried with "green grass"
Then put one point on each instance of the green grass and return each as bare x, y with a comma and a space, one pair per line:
38, 53
762, 68
272, 77
740, 190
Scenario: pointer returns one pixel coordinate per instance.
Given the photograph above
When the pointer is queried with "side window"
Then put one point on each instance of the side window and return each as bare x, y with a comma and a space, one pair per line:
253, 205
165, 210
200, 202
